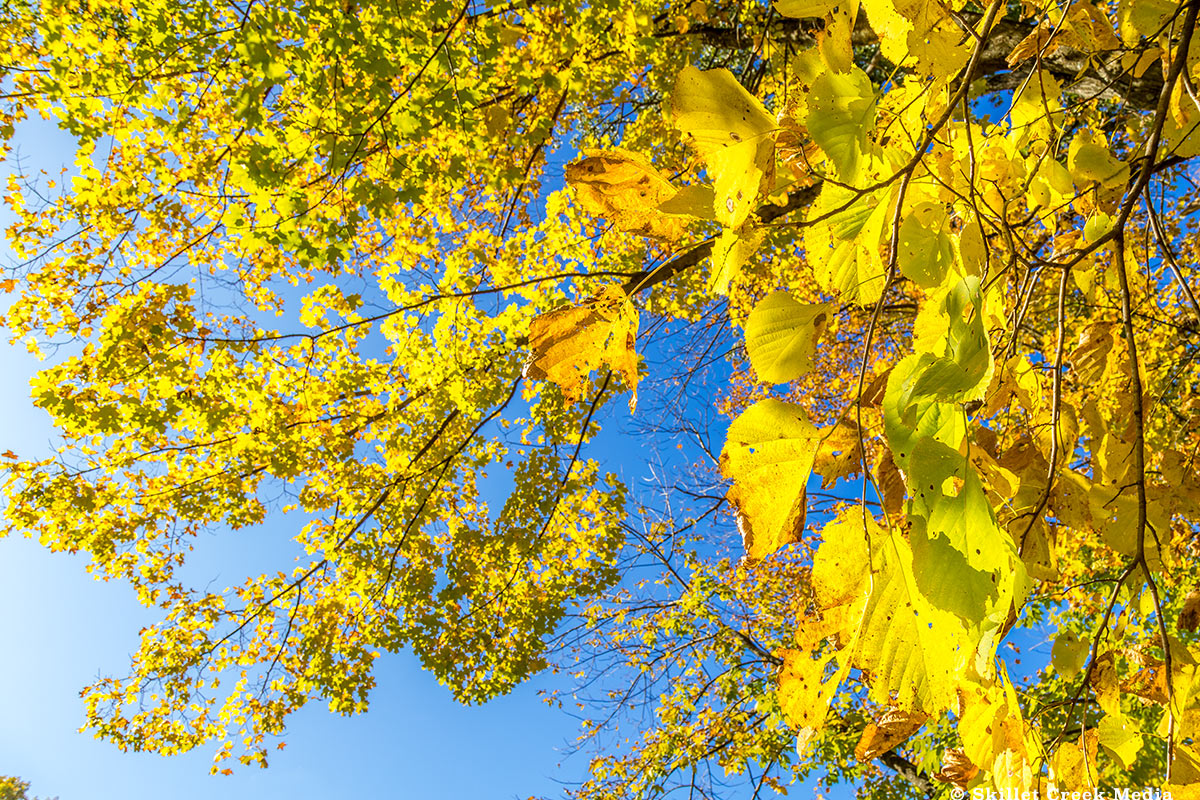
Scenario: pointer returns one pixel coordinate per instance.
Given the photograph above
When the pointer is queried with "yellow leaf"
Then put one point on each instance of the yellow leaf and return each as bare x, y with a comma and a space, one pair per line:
804, 691
1074, 765
993, 732
841, 112
769, 454
841, 566
1120, 736
914, 651
734, 135
729, 254
567, 344
1090, 161
781, 336
805, 9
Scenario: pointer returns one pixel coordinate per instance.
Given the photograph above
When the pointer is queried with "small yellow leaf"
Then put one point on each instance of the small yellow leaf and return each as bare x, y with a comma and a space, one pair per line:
1068, 655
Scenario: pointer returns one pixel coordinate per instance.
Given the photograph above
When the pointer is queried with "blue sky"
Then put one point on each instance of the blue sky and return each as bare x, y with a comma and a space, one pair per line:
61, 629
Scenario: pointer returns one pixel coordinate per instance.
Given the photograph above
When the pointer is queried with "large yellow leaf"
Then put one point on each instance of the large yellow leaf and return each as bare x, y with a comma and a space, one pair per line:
733, 133
568, 343
1090, 161
914, 652
841, 111
768, 455
626, 189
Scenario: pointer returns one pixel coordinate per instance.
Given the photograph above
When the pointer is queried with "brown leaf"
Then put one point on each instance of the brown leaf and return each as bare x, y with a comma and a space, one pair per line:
890, 483
1090, 356
1043, 40
568, 343
892, 728
624, 188
1106, 684
1189, 617
872, 395
1149, 684
956, 768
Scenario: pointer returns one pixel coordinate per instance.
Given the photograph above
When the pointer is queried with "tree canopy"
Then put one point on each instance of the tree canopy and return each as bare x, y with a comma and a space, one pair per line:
909, 282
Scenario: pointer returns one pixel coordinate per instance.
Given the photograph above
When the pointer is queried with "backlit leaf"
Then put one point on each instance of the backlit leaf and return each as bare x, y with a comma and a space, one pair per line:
768, 455
567, 344
733, 133
624, 188
781, 336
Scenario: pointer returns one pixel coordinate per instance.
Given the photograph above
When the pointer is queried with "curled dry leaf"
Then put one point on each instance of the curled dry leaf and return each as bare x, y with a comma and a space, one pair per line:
567, 344
893, 727
956, 768
626, 189
890, 483
1091, 354
1189, 617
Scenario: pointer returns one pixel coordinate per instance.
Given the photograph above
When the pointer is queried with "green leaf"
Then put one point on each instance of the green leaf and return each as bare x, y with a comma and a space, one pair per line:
841, 111
914, 651
781, 337
908, 419
949, 582
843, 246
768, 455
967, 521
1069, 654
964, 371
